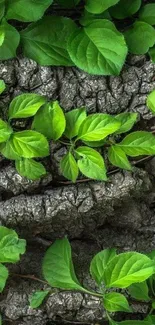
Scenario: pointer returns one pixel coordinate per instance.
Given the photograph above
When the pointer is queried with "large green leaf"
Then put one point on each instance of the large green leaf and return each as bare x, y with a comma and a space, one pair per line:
91, 164
96, 127
125, 8
98, 6
58, 267
118, 158
127, 121
5, 131
30, 168
115, 301
68, 3
151, 101
147, 13
74, 119
32, 10
46, 41
98, 48
37, 298
8, 151
25, 105
128, 268
138, 143
139, 291
3, 277
69, 167
50, 121
10, 246
99, 263
10, 43
30, 144
140, 37
2, 86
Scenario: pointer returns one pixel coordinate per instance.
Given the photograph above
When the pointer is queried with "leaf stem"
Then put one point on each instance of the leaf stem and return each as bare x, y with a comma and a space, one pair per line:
31, 277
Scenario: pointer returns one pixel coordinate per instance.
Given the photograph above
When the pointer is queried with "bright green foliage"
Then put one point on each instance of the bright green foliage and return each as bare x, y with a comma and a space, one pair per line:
151, 101
11, 41
99, 263
25, 105
147, 14
139, 291
115, 301
125, 8
5, 131
118, 158
30, 168
98, 6
127, 121
3, 276
74, 119
69, 167
37, 298
2, 86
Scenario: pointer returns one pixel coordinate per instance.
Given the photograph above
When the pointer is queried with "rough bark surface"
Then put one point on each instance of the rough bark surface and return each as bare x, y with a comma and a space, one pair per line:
95, 215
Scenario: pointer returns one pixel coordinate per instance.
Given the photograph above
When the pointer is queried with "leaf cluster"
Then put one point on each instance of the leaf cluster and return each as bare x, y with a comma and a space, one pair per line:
97, 41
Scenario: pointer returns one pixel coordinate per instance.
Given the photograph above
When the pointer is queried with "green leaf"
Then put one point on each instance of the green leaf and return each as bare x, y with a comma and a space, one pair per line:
74, 119
2, 8
25, 105
37, 298
139, 291
138, 143
147, 14
68, 3
8, 151
134, 322
150, 319
46, 41
10, 42
30, 144
91, 164
151, 101
152, 54
118, 158
3, 277
127, 121
114, 301
2, 36
32, 10
50, 121
101, 44
2, 86
125, 8
30, 168
69, 167
99, 263
10, 246
5, 131
88, 18
98, 126
58, 267
95, 144
128, 268
98, 6
151, 255
140, 37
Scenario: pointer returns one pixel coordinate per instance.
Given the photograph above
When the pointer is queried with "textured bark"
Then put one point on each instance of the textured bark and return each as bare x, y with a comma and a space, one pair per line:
95, 215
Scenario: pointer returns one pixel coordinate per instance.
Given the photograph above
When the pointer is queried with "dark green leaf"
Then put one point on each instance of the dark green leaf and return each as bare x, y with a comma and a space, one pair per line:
10, 246
127, 121
147, 14
58, 267
46, 41
10, 43
88, 18
151, 101
5, 131
118, 158
152, 53
114, 301
25, 105
91, 164
138, 143
69, 167
50, 121
98, 6
139, 291
98, 43
30, 168
150, 319
134, 322
2, 8
125, 8
74, 119
2, 86
37, 298
3, 277
99, 263
68, 3
140, 37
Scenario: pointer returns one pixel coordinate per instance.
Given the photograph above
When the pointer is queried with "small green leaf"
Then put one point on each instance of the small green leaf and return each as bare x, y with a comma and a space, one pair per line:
68, 3
91, 164
140, 37
99, 263
30, 144
5, 131
74, 119
114, 301
138, 143
96, 127
69, 167
30, 168
3, 276
11, 247
127, 121
10, 42
98, 6
58, 267
2, 86
125, 8
8, 151
32, 11
50, 121
147, 14
37, 298
86, 45
151, 101
139, 291
128, 268
25, 105
118, 158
